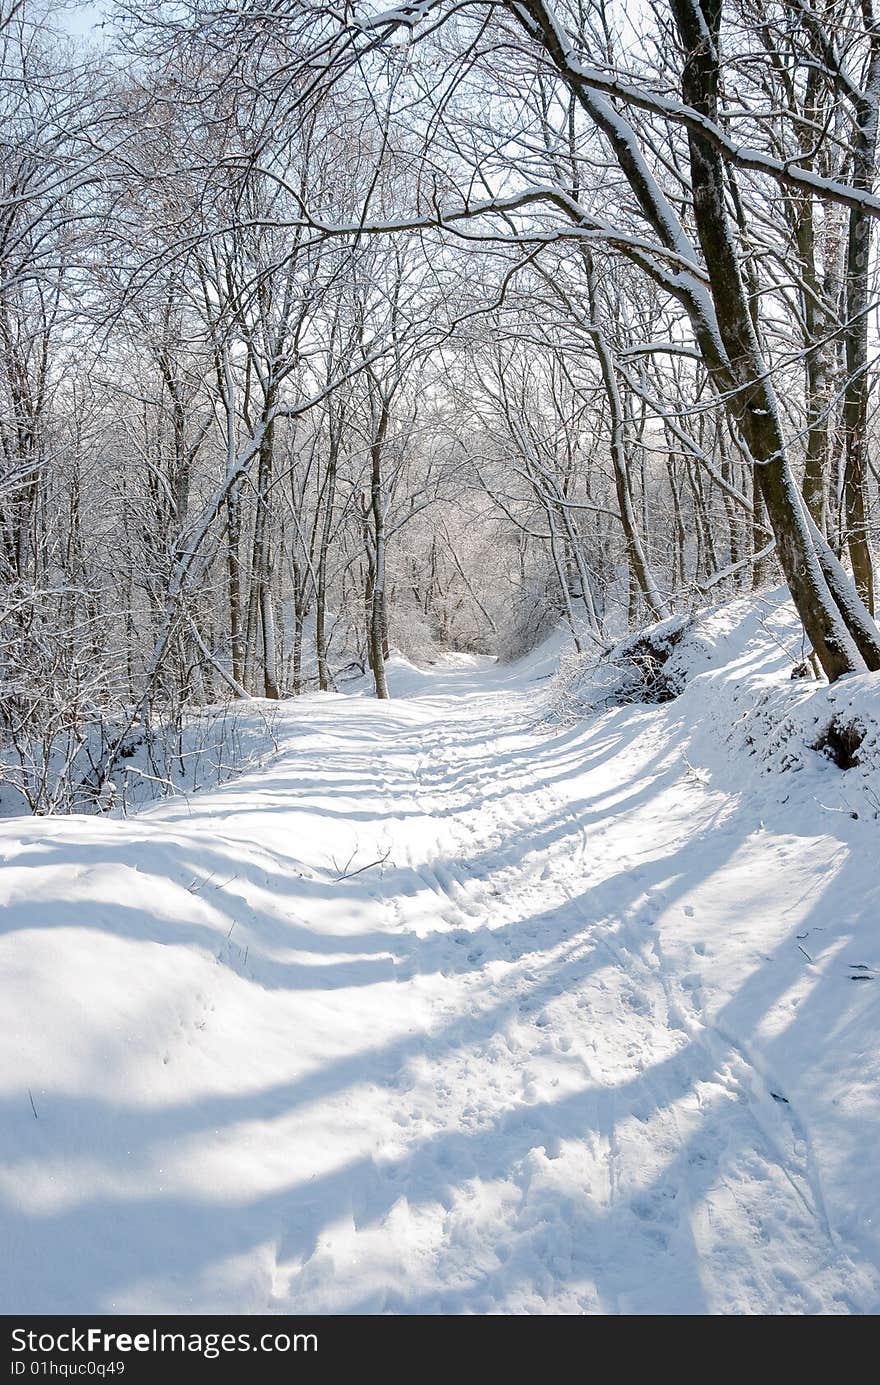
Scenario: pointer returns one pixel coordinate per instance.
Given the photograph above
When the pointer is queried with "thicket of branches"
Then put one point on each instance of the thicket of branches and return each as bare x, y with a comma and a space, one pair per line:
327, 330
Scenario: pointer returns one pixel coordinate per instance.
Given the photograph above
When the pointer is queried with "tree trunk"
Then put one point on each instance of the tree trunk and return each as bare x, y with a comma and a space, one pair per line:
233, 570
637, 558
377, 631
753, 401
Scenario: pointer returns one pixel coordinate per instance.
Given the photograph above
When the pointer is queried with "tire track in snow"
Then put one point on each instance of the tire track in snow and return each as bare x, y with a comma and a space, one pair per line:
447, 795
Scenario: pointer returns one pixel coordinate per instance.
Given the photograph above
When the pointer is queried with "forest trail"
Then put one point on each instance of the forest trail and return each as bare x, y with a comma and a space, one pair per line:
441, 1011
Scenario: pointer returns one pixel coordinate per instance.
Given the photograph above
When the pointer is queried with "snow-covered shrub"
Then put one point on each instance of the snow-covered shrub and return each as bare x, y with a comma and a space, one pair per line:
65, 770
412, 631
58, 687
649, 673
651, 665
201, 748
527, 619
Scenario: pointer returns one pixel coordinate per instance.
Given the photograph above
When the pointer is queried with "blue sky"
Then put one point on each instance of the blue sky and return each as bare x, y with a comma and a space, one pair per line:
81, 19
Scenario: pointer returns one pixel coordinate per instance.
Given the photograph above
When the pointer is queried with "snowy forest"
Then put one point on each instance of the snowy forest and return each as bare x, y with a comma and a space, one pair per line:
335, 332
407, 414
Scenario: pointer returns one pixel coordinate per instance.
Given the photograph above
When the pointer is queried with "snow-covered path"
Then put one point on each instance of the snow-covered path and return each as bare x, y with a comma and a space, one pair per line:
442, 1011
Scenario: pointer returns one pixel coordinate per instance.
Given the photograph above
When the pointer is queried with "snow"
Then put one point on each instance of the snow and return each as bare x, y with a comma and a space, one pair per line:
459, 1006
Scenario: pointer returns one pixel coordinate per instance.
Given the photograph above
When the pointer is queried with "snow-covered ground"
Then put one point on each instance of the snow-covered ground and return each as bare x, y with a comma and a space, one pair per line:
457, 1007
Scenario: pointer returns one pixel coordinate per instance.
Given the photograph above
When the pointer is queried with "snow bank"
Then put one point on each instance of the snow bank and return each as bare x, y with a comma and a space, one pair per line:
765, 918
748, 694
790, 726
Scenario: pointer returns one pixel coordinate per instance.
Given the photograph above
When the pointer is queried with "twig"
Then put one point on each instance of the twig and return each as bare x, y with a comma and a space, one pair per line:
335, 863
33, 1107
700, 775
347, 875
207, 880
